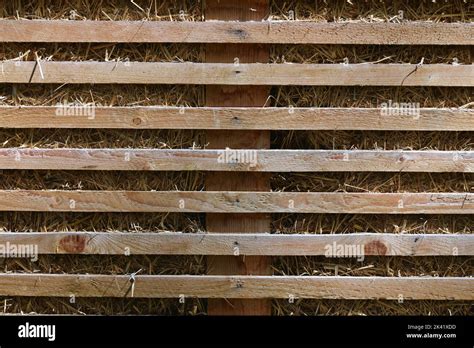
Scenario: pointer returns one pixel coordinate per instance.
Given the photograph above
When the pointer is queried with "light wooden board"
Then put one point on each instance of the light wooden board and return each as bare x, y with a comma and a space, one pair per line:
236, 118
238, 160
162, 286
235, 244
241, 74
271, 32
237, 202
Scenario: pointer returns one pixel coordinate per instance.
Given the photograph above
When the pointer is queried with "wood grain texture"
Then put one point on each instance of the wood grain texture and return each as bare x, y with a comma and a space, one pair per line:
240, 287
247, 160
271, 32
237, 202
241, 74
237, 96
237, 118
176, 243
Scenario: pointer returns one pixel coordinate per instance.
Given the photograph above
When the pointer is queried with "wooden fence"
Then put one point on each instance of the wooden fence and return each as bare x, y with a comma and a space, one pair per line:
235, 206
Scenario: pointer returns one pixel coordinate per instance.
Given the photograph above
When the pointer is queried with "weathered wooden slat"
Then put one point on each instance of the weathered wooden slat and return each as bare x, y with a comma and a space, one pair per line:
176, 243
242, 74
163, 286
238, 118
272, 32
237, 202
238, 160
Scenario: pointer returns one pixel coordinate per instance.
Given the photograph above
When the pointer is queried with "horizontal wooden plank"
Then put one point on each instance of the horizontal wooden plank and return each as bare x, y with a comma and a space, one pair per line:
176, 243
272, 32
163, 286
237, 202
148, 117
241, 74
238, 160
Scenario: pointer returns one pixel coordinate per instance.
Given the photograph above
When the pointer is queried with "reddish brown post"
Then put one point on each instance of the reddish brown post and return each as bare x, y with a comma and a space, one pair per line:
243, 10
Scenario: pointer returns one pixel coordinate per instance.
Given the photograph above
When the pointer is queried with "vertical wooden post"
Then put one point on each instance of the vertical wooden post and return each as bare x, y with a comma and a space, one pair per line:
242, 10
